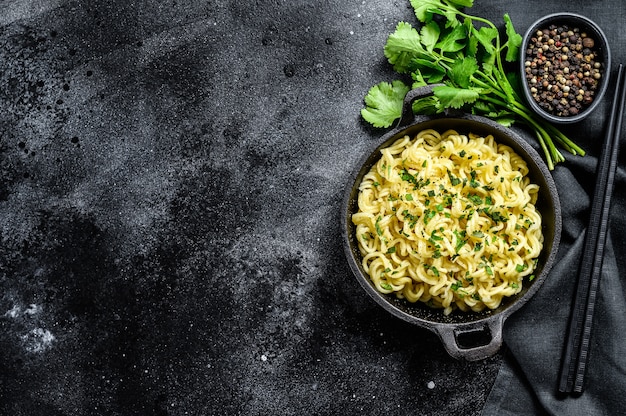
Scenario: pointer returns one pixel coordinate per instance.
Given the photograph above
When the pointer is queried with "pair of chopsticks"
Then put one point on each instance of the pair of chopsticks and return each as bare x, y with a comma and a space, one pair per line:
576, 353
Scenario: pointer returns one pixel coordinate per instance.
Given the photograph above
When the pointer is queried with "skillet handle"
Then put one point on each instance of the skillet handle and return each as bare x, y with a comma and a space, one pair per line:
489, 332
407, 116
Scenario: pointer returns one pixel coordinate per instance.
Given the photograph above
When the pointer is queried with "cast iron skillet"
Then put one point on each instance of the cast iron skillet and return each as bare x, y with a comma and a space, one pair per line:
471, 336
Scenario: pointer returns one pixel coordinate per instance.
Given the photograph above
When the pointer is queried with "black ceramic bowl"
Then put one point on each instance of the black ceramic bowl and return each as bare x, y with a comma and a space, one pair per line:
471, 336
602, 56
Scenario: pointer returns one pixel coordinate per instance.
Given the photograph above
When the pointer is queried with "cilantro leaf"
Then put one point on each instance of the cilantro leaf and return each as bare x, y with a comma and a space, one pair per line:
506, 121
432, 71
454, 40
418, 79
462, 3
403, 46
384, 103
471, 48
427, 105
461, 71
452, 97
424, 9
430, 35
514, 41
486, 37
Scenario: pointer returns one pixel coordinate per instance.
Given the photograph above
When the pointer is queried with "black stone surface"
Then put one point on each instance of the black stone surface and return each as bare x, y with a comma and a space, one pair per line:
171, 178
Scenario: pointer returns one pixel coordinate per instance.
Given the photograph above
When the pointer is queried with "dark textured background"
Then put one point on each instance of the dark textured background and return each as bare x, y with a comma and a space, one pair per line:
171, 177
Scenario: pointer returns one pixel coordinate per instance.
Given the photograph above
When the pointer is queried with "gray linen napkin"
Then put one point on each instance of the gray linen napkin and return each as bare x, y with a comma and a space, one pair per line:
527, 383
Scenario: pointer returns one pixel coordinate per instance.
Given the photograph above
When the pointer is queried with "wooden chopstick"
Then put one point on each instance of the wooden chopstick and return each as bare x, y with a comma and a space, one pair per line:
576, 353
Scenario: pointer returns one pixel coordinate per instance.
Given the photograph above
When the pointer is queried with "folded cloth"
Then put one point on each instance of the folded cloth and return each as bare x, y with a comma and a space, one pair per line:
535, 336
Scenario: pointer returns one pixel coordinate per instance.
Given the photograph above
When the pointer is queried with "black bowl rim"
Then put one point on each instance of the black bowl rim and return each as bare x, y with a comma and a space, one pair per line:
606, 54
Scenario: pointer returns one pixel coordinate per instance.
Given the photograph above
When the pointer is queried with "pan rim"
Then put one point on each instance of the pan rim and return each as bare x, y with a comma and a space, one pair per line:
537, 166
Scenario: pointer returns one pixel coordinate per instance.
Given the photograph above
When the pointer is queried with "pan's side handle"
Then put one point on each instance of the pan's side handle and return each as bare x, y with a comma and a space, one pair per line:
489, 334
407, 116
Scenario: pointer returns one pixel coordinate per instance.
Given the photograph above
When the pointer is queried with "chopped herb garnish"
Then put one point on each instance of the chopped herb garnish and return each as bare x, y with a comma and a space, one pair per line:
417, 182
460, 239
453, 179
411, 218
494, 215
432, 269
476, 199
428, 215
379, 231
435, 237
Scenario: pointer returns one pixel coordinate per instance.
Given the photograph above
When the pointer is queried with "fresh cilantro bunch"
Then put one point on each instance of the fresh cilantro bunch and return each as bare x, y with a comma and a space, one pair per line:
467, 54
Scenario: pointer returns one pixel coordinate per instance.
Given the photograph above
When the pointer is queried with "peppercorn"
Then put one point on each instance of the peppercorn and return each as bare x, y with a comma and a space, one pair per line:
563, 69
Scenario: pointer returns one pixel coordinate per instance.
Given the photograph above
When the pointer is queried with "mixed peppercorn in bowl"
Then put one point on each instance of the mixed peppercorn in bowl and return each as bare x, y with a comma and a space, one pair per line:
565, 62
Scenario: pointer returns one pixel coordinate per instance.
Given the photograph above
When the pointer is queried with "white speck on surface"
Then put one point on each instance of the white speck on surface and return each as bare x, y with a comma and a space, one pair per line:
13, 312
37, 340
263, 357
431, 385
32, 309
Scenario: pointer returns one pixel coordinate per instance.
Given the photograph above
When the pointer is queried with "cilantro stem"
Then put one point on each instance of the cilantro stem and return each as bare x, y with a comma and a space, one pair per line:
545, 131
545, 140
544, 147
564, 140
553, 155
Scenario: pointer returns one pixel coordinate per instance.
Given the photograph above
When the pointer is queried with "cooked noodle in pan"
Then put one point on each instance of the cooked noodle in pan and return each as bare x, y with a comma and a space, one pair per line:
449, 220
